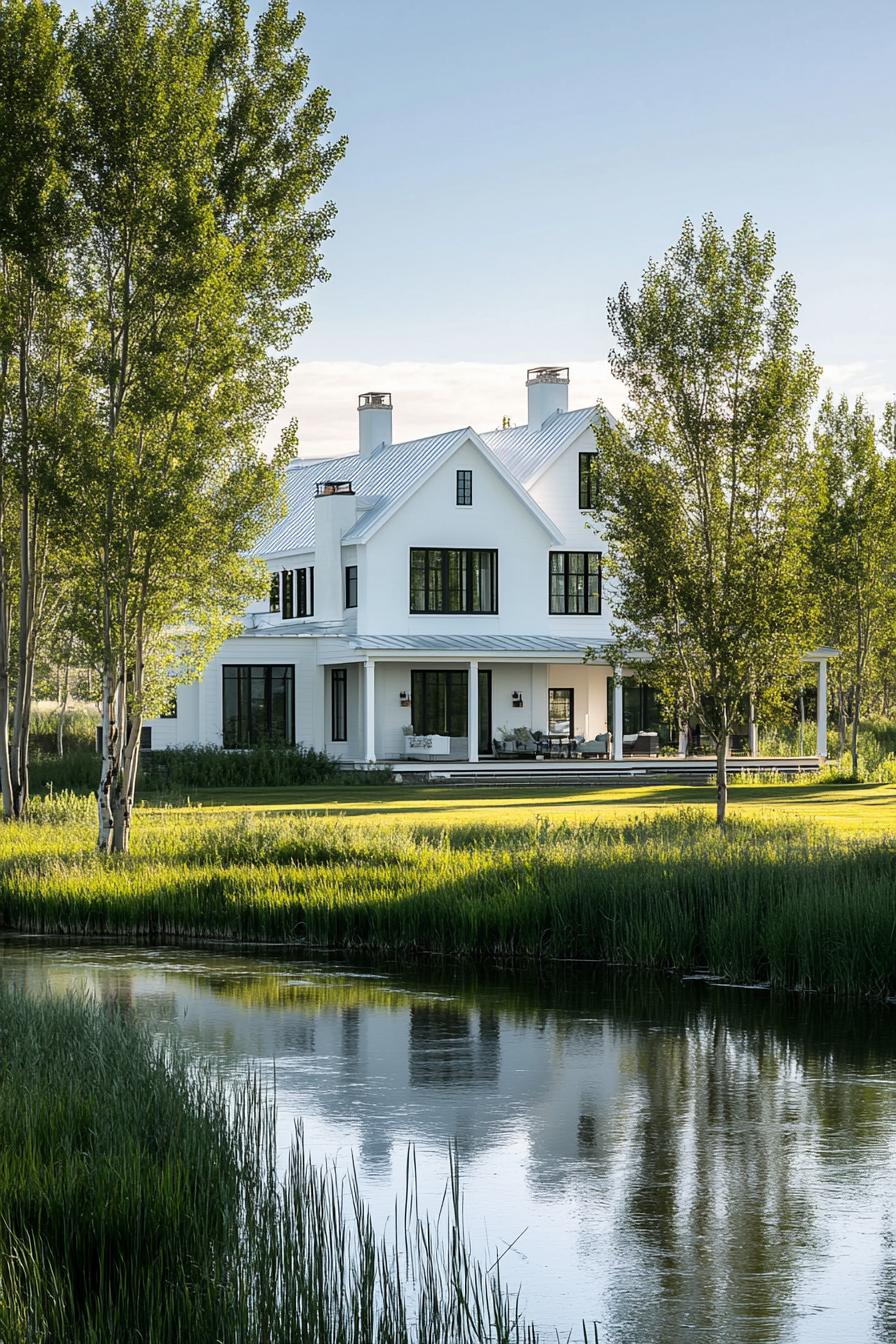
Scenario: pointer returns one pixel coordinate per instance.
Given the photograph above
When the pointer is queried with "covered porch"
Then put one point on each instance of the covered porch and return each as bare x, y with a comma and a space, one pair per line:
411, 702
417, 697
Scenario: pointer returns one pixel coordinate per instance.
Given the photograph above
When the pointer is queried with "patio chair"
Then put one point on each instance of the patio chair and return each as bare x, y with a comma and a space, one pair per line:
641, 744
598, 746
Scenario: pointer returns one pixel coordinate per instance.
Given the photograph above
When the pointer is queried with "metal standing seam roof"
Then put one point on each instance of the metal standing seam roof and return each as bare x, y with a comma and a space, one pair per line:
473, 643
527, 452
387, 474
391, 472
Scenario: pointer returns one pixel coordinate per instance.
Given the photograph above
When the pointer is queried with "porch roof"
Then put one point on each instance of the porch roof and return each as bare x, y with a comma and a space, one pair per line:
472, 644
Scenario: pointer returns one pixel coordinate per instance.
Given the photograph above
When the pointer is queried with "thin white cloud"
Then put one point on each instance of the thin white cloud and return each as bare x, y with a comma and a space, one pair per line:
428, 398
431, 397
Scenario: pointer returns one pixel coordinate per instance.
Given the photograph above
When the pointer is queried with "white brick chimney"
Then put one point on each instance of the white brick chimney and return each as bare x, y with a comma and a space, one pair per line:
548, 389
374, 421
335, 511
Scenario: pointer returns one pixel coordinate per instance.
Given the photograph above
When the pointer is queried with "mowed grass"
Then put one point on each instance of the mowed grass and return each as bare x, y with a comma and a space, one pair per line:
845, 809
785, 895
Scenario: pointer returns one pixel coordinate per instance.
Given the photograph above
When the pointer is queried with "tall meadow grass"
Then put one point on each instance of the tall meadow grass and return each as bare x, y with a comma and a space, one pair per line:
765, 901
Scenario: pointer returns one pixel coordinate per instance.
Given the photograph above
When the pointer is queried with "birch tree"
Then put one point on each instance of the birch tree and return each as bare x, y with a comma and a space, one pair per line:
705, 479
853, 554
196, 150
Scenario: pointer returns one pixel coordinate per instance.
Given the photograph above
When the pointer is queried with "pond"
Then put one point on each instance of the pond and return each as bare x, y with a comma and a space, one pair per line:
675, 1161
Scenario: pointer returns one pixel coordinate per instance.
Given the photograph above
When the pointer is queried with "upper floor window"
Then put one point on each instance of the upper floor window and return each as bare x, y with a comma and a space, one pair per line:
465, 487
454, 581
305, 591
575, 582
287, 605
275, 593
588, 484
351, 585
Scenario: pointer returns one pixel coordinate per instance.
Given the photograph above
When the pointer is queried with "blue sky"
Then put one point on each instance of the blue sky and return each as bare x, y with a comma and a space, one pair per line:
510, 164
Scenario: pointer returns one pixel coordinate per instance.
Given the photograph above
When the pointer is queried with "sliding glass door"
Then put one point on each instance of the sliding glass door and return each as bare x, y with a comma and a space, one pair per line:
439, 700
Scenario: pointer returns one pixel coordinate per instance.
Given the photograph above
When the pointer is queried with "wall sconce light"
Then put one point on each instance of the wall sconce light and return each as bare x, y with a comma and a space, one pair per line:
404, 699
516, 700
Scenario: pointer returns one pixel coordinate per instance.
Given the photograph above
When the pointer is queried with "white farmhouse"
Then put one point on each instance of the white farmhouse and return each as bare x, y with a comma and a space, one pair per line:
427, 599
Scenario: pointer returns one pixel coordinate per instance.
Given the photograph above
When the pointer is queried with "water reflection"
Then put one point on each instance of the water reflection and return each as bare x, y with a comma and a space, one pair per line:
689, 1161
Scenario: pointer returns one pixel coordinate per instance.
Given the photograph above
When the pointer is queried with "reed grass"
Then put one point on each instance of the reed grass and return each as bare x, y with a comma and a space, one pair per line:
141, 1201
767, 900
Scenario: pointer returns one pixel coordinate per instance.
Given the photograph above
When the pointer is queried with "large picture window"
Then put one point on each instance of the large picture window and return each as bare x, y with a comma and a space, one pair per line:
454, 581
339, 704
258, 705
439, 699
589, 493
575, 583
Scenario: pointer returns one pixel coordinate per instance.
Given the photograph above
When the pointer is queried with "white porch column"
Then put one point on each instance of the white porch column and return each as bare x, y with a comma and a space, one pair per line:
369, 710
821, 743
752, 730
617, 713
473, 711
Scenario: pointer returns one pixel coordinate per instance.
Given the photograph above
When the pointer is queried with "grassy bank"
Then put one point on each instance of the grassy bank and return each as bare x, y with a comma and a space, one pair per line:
772, 900
141, 1201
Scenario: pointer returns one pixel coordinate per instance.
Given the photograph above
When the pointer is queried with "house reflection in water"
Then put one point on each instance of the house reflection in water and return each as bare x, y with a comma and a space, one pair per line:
685, 1159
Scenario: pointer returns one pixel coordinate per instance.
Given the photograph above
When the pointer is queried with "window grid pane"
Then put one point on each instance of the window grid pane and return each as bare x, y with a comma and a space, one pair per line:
465, 487
452, 582
258, 705
574, 583
339, 704
351, 585
588, 483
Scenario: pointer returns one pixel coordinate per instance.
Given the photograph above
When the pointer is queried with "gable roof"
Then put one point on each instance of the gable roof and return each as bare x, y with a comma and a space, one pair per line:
382, 481
528, 453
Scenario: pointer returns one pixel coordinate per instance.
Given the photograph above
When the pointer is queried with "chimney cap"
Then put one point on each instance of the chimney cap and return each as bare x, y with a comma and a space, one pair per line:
547, 373
375, 400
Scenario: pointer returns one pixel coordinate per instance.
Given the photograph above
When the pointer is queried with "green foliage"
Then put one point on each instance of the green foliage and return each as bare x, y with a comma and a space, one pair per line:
705, 478
141, 1200
178, 770
764, 900
852, 555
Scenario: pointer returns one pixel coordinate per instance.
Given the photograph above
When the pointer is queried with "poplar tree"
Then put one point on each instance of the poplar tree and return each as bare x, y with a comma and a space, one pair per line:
705, 478
42, 389
853, 553
196, 149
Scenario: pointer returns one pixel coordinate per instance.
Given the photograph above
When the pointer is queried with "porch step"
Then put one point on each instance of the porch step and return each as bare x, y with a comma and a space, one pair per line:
594, 774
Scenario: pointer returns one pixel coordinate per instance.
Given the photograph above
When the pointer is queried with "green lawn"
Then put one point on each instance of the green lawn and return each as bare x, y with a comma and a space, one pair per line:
847, 809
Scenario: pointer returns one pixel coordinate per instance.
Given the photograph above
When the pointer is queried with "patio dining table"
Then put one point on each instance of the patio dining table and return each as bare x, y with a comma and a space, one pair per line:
566, 740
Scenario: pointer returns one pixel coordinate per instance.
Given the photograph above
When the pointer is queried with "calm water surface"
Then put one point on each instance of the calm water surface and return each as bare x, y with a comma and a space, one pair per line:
675, 1161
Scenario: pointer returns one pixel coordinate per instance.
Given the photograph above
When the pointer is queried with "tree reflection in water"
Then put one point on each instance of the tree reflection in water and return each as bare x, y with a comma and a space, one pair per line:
691, 1161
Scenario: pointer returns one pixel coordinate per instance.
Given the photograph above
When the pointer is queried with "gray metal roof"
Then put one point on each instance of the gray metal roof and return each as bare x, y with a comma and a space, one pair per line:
527, 452
386, 475
474, 643
392, 472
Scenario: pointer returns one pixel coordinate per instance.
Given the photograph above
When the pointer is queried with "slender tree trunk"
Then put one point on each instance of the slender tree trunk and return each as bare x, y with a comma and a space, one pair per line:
63, 706
722, 776
854, 739
841, 713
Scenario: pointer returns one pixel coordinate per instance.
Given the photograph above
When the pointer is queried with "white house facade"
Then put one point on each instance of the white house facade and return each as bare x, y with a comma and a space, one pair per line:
428, 598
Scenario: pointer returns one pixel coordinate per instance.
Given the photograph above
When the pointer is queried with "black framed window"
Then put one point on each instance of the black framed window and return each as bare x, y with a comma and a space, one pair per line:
574, 583
258, 704
589, 493
465, 487
339, 704
561, 710
275, 593
305, 591
351, 585
287, 606
454, 581
439, 700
